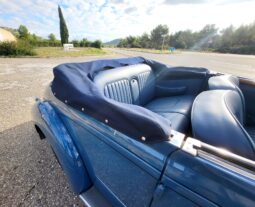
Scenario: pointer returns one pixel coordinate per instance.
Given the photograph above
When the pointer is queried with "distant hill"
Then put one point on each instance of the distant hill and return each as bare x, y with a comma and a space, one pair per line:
113, 42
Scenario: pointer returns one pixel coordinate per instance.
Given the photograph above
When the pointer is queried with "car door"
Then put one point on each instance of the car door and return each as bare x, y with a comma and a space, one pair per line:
124, 171
206, 176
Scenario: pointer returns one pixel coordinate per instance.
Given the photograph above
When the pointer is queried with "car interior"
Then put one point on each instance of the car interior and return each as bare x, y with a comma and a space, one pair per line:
211, 109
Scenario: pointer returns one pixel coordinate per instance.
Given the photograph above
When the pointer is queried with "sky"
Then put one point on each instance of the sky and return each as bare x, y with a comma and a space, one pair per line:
111, 19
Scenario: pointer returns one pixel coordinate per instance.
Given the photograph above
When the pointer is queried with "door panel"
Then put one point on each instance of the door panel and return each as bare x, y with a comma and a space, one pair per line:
170, 198
125, 171
217, 184
112, 171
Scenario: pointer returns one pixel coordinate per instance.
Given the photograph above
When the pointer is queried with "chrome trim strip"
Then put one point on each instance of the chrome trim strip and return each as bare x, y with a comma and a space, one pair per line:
83, 199
196, 148
228, 155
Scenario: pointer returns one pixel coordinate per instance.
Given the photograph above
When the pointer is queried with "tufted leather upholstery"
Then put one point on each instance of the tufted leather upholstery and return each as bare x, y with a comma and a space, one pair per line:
135, 84
217, 119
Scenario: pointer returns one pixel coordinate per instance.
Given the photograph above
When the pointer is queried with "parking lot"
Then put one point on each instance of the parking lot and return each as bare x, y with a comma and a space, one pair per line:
29, 173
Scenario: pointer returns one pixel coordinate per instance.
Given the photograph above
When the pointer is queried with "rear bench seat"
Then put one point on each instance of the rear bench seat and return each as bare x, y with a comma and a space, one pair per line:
135, 84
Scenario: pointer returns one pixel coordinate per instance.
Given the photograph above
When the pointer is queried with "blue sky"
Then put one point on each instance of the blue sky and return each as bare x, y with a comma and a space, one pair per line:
110, 19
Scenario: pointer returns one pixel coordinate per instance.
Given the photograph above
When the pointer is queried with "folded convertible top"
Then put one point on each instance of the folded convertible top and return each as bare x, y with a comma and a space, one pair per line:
73, 84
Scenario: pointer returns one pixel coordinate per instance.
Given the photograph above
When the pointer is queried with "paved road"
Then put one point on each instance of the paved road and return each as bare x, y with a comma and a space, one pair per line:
241, 65
29, 174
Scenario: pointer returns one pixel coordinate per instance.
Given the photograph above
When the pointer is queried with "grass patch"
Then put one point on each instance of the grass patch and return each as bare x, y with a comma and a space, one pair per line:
154, 51
75, 52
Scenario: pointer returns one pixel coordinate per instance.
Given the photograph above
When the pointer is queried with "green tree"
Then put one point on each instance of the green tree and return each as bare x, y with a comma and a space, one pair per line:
132, 42
145, 41
227, 37
97, 44
52, 37
76, 43
84, 43
159, 34
63, 28
23, 32
122, 43
205, 36
182, 39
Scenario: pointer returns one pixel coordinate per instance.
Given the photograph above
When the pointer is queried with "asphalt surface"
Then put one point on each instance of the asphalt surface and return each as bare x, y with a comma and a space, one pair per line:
240, 65
29, 173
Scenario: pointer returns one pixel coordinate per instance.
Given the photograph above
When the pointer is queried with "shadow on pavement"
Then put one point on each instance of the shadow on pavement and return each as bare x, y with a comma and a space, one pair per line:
29, 172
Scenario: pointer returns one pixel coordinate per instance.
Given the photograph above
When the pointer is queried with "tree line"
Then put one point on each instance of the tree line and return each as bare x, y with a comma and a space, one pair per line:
229, 40
26, 41
22, 33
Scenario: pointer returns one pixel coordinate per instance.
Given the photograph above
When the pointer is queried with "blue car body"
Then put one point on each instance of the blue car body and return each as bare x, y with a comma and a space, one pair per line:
108, 168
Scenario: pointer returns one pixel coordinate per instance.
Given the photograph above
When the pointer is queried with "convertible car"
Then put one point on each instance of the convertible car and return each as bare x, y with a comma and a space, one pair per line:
135, 132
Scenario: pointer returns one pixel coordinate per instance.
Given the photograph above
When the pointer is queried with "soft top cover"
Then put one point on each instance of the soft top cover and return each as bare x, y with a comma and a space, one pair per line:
73, 84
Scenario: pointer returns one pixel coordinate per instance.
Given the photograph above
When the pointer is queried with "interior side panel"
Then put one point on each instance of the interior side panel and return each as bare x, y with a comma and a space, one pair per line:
182, 80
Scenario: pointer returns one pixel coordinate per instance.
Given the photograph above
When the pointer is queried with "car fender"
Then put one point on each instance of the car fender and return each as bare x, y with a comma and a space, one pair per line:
51, 125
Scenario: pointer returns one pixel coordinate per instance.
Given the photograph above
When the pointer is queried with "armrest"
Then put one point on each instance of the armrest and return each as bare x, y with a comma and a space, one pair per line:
170, 91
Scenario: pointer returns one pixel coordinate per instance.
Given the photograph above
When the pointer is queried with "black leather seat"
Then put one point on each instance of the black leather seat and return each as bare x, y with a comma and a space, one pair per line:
217, 118
135, 84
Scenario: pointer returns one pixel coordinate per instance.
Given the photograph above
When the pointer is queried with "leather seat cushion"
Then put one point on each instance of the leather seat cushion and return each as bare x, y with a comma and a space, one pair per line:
173, 104
176, 109
179, 122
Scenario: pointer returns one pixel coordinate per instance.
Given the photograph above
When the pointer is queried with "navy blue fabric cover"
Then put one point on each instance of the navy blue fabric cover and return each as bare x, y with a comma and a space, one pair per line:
73, 84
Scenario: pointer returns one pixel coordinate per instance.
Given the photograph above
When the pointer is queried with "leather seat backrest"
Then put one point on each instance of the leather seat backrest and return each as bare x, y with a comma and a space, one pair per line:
134, 84
227, 82
216, 119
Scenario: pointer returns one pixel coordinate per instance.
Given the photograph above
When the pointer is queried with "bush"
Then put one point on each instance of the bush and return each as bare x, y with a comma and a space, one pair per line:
75, 43
86, 43
238, 50
97, 44
45, 43
20, 48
